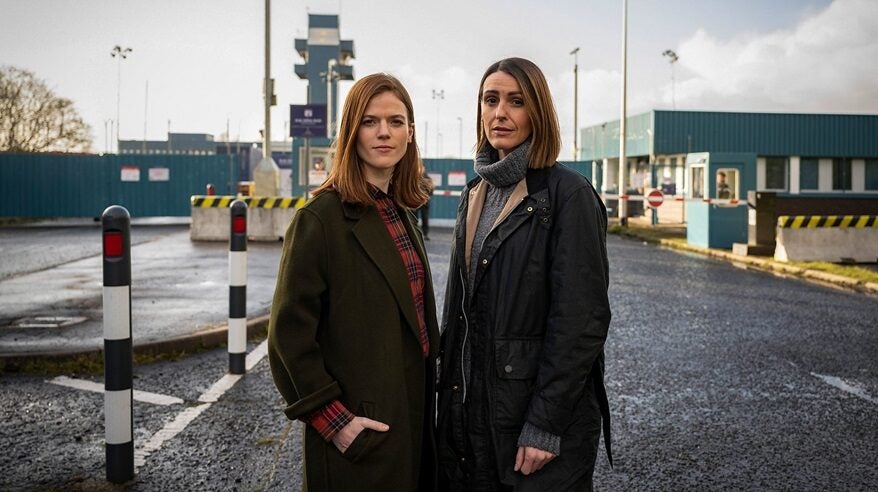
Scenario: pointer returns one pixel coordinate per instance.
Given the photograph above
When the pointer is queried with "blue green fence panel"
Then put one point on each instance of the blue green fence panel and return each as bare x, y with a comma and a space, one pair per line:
63, 185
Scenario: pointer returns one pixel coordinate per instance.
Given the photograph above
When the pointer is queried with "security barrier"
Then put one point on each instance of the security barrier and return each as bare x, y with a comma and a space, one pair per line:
267, 217
835, 238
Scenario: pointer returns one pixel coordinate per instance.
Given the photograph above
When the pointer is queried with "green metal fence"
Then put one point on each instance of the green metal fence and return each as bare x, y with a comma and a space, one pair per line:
64, 185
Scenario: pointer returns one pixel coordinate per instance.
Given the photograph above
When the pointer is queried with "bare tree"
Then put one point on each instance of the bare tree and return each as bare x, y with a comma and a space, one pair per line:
34, 119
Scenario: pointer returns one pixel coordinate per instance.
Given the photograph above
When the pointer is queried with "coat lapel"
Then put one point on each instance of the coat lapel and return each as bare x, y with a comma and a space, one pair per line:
372, 235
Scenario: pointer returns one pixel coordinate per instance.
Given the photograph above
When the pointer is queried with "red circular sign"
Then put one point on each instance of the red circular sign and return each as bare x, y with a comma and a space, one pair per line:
655, 198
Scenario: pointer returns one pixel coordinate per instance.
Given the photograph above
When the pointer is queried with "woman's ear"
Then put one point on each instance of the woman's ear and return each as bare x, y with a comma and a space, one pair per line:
411, 132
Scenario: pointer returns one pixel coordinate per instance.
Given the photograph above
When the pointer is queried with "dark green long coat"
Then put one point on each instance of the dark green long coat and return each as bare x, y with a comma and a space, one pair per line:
344, 326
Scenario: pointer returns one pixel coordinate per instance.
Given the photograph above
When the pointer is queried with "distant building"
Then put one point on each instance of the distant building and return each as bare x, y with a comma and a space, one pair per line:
248, 153
176, 144
793, 153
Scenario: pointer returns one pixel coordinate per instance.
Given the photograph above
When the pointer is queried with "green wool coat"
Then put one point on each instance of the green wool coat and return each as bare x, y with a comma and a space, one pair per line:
344, 326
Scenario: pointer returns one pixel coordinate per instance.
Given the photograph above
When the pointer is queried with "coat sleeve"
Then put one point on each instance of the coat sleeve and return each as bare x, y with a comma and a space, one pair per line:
579, 310
297, 364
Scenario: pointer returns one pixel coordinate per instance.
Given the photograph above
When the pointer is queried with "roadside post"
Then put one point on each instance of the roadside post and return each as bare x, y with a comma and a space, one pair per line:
118, 365
655, 198
237, 340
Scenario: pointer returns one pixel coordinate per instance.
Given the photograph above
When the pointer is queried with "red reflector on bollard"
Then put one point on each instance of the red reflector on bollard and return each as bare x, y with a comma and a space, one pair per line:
113, 243
239, 225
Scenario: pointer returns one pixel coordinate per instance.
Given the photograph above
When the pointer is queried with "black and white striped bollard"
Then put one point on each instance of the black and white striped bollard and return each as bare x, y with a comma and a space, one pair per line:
118, 366
238, 288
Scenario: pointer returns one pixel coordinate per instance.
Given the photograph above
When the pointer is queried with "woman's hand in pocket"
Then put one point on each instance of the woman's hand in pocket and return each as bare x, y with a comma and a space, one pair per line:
348, 433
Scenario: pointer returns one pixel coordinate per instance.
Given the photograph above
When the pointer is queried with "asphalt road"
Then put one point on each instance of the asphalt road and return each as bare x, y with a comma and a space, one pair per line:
719, 378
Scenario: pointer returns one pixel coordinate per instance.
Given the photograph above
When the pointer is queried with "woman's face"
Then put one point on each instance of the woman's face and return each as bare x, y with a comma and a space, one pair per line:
504, 117
383, 135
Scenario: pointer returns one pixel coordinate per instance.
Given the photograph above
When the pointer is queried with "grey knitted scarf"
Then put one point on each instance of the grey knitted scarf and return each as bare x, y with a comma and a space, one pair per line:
501, 176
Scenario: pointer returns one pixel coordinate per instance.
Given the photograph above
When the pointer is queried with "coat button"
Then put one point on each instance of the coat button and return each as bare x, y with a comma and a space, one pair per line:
463, 460
484, 261
530, 209
545, 219
508, 369
455, 388
460, 318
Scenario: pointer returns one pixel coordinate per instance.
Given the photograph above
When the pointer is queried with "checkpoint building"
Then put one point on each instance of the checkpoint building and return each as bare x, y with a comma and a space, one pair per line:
706, 162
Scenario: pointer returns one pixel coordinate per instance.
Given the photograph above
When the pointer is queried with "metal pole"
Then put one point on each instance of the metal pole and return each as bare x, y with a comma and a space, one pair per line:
120, 53
237, 336
145, 109
269, 89
460, 137
623, 164
438, 96
575, 54
331, 63
118, 360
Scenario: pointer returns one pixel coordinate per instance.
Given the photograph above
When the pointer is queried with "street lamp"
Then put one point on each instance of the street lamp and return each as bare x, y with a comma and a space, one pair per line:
120, 53
575, 54
672, 58
623, 160
438, 96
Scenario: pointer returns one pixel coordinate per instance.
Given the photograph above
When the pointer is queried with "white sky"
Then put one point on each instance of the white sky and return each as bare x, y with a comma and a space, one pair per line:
203, 60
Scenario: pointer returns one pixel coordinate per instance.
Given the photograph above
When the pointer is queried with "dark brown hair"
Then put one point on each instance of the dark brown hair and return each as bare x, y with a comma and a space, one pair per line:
545, 131
346, 176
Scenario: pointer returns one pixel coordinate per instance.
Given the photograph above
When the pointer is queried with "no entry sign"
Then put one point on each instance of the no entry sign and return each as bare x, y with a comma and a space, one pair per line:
655, 198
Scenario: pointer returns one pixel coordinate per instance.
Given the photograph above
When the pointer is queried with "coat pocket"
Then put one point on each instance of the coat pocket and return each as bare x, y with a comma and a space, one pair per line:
516, 362
517, 358
364, 440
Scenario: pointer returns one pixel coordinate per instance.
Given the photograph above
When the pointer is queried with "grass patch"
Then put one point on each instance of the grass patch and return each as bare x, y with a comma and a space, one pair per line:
91, 363
14, 221
849, 271
648, 234
678, 236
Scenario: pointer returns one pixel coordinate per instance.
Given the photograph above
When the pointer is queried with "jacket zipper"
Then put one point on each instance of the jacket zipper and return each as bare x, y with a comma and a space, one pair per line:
465, 334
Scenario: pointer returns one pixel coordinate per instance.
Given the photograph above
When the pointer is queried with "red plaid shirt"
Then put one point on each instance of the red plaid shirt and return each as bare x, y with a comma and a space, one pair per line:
333, 417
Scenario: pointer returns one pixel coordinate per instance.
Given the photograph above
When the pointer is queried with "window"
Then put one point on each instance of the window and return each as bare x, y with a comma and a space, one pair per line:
872, 174
697, 180
809, 174
841, 174
727, 184
776, 173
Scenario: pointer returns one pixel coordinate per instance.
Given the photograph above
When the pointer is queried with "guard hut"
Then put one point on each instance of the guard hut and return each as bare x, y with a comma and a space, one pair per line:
717, 214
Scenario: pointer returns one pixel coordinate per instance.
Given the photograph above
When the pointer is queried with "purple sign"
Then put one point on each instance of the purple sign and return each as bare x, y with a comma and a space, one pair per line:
308, 120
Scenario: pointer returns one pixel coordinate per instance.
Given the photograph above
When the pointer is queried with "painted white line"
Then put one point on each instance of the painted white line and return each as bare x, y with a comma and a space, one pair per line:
845, 386
207, 399
167, 432
142, 396
256, 355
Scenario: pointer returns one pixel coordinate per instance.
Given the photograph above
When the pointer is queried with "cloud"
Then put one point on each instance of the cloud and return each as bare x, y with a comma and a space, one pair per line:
826, 63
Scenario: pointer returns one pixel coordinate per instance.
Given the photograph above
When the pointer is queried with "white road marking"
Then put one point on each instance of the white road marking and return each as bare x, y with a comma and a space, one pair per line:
845, 386
142, 396
207, 399
169, 431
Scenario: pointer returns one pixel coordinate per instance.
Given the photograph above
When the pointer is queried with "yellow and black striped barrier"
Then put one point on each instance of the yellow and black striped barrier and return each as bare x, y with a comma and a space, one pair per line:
213, 201
819, 221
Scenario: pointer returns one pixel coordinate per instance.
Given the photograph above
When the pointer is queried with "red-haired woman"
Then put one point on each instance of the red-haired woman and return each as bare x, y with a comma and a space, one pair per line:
353, 337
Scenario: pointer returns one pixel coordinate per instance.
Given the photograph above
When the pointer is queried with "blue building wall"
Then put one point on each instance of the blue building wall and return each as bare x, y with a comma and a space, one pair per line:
766, 134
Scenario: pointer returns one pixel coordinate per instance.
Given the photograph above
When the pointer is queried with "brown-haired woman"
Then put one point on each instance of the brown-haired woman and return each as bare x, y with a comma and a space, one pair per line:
353, 335
521, 396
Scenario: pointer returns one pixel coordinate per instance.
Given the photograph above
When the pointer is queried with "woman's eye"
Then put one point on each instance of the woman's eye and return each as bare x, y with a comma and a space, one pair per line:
397, 122
368, 122
489, 100
517, 102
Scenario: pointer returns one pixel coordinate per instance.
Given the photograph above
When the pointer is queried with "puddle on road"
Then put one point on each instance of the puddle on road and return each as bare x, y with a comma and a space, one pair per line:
47, 321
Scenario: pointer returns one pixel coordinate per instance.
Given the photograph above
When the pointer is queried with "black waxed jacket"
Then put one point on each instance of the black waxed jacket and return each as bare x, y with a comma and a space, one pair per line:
540, 302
